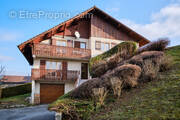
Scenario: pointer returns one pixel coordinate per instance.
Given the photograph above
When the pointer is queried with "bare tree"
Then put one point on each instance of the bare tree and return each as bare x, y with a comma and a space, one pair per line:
2, 70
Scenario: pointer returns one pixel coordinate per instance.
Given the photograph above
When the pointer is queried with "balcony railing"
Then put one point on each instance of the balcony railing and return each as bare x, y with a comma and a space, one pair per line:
54, 75
53, 51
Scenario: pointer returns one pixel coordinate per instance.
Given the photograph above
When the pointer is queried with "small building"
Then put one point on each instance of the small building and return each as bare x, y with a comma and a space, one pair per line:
12, 80
59, 56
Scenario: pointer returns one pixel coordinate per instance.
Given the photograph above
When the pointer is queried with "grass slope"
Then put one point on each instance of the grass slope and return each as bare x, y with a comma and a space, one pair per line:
15, 100
156, 100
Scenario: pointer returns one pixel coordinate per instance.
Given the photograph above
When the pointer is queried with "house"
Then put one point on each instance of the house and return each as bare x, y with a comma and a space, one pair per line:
60, 55
12, 80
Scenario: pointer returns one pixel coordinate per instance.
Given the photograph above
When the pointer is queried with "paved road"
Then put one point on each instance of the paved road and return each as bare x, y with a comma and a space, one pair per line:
28, 113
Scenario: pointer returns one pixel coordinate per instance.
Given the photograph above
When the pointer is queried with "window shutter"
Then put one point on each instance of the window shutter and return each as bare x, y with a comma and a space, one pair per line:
64, 70
76, 44
42, 68
42, 64
98, 45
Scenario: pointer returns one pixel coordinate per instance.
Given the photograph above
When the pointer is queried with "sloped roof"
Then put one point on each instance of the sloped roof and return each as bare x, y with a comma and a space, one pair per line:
15, 79
94, 9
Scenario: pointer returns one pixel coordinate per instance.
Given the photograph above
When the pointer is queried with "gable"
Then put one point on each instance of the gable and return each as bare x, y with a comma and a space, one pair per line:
82, 26
103, 29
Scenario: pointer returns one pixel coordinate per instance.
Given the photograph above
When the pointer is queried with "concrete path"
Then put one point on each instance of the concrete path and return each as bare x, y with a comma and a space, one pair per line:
28, 113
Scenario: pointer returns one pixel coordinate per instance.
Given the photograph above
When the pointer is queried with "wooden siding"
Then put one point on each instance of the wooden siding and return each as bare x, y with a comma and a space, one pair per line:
101, 28
50, 92
82, 26
52, 51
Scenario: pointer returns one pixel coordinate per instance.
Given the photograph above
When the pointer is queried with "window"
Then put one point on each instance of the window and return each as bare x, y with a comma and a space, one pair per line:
83, 45
48, 65
104, 46
45, 42
61, 43
53, 65
98, 45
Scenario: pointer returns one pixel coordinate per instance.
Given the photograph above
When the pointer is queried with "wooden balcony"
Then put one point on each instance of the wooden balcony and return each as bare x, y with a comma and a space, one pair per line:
52, 51
54, 75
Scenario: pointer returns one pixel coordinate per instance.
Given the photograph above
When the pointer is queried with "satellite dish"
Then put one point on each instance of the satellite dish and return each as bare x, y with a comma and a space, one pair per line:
77, 35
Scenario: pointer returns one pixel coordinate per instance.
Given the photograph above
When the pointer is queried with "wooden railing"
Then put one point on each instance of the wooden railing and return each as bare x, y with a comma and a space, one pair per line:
54, 75
43, 50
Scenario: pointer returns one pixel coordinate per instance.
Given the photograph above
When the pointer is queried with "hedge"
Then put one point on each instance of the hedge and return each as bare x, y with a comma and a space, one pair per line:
16, 90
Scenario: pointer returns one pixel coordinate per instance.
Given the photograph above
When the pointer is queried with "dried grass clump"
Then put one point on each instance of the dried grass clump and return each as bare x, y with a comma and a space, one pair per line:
150, 71
120, 52
114, 60
166, 63
117, 86
159, 45
99, 69
139, 59
85, 89
150, 64
128, 73
99, 95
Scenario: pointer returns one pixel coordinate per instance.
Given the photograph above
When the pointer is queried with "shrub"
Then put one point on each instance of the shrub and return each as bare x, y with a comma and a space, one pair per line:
99, 95
149, 63
85, 89
124, 50
73, 109
150, 70
16, 90
127, 73
159, 45
99, 69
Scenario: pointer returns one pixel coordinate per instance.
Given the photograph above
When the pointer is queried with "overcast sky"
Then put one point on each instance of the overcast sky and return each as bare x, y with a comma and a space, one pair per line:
21, 20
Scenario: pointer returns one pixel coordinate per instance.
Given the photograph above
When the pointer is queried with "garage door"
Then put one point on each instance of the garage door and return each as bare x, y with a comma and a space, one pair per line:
50, 92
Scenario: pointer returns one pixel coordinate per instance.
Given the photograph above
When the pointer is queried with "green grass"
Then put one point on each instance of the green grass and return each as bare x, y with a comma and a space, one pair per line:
158, 99
20, 99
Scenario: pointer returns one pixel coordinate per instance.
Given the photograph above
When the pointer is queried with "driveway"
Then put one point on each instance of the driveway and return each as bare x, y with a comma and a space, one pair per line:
28, 113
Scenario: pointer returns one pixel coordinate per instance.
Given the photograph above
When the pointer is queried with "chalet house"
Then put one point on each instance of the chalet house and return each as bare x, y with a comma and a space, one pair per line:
59, 56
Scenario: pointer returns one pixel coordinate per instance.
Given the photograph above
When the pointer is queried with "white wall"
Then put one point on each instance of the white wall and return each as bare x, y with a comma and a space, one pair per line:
35, 90
36, 63
69, 87
48, 41
73, 65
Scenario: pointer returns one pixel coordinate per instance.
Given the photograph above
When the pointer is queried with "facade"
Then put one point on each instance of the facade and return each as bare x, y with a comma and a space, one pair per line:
59, 56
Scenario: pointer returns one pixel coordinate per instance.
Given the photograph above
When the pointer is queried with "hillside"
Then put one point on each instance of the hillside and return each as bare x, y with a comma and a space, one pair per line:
158, 99
137, 83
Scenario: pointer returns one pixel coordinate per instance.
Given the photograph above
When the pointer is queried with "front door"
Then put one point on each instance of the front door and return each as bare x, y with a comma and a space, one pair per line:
84, 70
